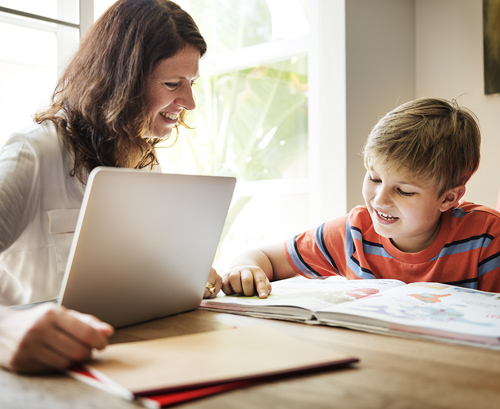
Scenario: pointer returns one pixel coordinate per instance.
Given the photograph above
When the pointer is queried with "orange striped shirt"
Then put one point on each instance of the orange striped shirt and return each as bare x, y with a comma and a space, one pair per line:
465, 253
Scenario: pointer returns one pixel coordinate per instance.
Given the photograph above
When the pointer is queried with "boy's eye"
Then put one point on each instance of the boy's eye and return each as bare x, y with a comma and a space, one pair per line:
401, 192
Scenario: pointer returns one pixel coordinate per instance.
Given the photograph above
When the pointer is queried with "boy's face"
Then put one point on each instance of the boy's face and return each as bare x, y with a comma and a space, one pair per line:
402, 209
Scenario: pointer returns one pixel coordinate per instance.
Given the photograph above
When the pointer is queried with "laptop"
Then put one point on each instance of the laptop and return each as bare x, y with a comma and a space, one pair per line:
144, 244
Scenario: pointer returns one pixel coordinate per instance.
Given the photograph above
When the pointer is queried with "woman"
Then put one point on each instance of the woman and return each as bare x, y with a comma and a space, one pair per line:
127, 88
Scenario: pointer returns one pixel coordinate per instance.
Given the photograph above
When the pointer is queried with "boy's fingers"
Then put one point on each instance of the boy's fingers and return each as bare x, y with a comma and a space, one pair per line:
226, 285
262, 285
235, 282
247, 282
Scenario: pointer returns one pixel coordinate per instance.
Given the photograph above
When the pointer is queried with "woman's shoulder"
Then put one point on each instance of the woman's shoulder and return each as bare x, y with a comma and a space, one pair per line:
40, 139
34, 133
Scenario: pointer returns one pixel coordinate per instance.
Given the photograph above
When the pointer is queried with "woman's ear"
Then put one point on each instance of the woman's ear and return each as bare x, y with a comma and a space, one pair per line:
451, 197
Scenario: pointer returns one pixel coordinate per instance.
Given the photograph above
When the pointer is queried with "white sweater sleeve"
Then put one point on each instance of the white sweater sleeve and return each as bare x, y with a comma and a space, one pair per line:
18, 184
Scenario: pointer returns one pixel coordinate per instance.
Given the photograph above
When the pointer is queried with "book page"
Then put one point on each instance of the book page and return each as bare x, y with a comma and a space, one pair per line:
303, 293
433, 308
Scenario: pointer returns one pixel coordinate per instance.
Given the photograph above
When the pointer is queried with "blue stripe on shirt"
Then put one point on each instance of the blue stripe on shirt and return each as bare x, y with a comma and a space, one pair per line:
463, 246
351, 234
320, 242
468, 283
297, 260
488, 264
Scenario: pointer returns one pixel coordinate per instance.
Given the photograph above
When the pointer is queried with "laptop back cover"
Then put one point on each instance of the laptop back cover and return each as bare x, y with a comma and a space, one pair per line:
144, 243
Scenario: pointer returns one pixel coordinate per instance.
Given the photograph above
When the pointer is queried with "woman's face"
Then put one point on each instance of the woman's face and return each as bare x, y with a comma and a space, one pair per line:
169, 90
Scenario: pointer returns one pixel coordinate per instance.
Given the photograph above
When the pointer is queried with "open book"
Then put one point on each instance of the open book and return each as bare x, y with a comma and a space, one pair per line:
419, 310
161, 372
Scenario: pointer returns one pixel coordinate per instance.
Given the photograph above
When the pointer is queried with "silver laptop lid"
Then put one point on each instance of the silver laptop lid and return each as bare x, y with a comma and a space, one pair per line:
144, 243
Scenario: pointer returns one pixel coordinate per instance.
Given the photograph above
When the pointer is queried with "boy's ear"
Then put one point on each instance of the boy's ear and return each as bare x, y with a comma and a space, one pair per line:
451, 197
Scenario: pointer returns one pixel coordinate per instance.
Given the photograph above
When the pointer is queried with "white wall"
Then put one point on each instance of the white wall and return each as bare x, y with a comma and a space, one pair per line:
380, 55
397, 50
449, 56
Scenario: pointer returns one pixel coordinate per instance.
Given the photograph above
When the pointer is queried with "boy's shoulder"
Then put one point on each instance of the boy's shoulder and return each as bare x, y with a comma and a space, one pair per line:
358, 218
472, 210
475, 218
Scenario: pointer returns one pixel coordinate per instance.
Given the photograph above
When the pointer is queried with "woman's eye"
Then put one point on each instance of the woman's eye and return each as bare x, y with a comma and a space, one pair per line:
374, 180
403, 193
171, 85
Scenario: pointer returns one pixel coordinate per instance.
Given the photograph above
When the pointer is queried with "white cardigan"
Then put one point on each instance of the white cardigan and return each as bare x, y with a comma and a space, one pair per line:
39, 206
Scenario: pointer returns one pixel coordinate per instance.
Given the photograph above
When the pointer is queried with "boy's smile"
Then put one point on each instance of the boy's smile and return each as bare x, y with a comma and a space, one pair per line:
385, 218
403, 209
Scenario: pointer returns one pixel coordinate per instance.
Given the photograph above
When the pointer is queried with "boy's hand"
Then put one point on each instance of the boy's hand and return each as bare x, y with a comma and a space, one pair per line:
48, 337
246, 280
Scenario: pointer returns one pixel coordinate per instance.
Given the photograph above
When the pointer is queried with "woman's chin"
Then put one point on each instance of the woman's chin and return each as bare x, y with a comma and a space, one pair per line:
159, 135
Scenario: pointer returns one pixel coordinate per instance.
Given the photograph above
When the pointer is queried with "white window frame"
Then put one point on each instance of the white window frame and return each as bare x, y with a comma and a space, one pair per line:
37, 22
326, 183
244, 58
327, 110
325, 47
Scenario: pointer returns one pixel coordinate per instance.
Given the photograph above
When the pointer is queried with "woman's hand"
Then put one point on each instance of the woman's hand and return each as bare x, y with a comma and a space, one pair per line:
214, 284
48, 337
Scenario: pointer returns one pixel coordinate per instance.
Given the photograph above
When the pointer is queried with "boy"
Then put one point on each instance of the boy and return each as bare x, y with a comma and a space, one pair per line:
412, 228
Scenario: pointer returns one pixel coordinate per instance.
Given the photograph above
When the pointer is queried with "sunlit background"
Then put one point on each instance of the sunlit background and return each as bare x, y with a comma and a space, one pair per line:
252, 116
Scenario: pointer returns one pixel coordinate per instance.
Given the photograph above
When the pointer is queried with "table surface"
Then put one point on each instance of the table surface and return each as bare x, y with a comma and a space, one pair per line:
393, 373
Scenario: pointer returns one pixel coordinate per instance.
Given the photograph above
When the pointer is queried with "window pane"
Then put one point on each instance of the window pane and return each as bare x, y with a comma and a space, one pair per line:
100, 6
251, 124
266, 218
230, 25
252, 118
29, 68
64, 10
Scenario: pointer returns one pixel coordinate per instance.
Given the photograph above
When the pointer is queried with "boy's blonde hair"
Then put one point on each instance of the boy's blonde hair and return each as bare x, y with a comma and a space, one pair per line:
429, 137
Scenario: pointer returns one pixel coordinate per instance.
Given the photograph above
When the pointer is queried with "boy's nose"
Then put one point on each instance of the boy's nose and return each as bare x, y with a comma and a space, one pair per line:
382, 197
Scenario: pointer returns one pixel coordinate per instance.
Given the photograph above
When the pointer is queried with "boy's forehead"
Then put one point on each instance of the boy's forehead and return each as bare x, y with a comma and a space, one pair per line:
400, 173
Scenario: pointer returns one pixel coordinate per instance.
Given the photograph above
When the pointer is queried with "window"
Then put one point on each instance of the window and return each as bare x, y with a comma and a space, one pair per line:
36, 39
252, 117
100, 6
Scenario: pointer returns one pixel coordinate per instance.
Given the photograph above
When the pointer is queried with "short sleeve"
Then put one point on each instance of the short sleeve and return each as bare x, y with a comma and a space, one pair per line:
318, 252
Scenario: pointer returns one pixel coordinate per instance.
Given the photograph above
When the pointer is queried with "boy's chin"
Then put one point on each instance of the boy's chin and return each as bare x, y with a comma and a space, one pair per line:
381, 231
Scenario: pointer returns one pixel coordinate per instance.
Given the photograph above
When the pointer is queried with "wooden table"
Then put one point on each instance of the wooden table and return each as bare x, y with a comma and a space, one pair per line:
393, 373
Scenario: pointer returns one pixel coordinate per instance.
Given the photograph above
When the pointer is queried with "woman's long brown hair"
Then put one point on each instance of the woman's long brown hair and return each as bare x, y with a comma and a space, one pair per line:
99, 105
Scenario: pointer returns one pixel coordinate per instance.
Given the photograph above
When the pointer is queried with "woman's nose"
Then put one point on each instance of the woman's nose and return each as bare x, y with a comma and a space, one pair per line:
186, 99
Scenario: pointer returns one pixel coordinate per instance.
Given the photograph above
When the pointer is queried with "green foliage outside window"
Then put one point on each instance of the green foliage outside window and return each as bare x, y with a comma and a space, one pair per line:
250, 123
